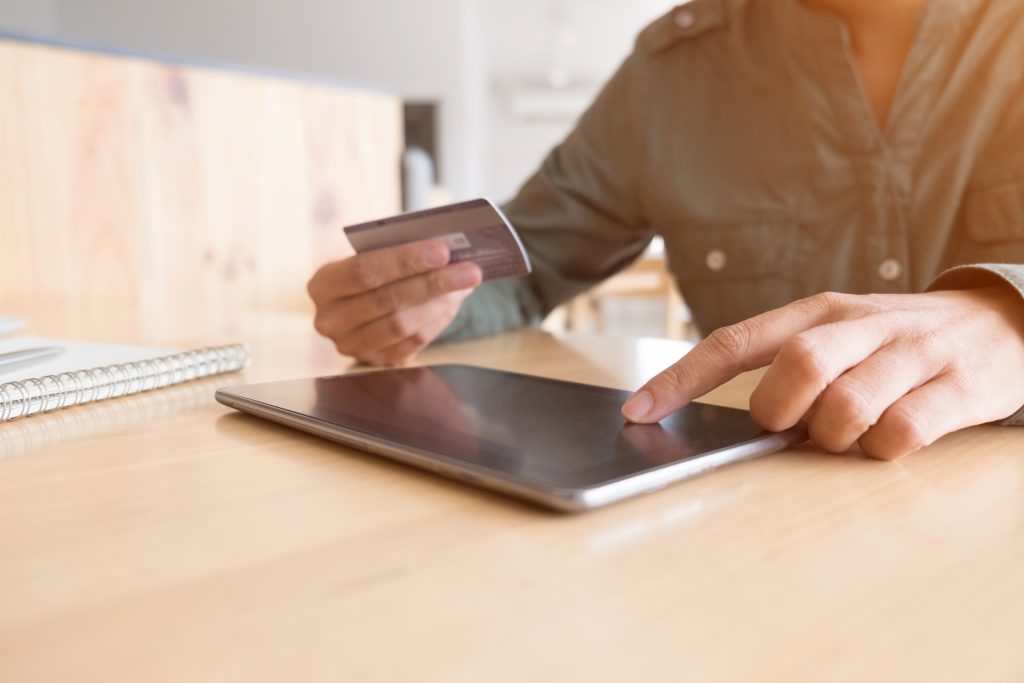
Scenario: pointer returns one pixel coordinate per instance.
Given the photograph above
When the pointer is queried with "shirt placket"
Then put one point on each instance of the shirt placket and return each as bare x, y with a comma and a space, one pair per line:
879, 225
921, 82
880, 161
885, 158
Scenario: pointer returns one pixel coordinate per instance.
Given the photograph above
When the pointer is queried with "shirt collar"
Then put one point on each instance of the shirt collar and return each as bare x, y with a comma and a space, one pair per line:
798, 23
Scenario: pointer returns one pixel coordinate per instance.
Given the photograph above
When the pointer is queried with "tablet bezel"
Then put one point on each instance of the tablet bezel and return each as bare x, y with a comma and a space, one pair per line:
562, 498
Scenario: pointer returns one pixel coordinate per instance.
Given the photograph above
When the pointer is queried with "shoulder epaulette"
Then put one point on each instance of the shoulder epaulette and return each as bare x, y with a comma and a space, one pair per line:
686, 21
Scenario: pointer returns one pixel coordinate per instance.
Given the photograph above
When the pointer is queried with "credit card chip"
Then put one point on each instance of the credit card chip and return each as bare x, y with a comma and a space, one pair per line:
455, 241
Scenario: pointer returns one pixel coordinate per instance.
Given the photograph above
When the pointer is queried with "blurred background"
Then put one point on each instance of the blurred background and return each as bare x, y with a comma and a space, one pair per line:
487, 87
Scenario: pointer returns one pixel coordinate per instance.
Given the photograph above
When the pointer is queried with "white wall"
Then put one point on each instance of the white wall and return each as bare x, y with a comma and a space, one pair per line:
523, 41
587, 39
26, 16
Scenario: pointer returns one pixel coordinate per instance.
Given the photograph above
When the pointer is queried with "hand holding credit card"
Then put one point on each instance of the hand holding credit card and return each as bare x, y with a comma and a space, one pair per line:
409, 276
473, 231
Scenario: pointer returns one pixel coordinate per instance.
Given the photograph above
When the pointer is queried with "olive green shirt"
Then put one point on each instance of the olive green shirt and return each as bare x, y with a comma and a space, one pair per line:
739, 131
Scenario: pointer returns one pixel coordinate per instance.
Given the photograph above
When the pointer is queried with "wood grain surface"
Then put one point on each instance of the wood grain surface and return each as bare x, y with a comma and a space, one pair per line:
152, 187
166, 538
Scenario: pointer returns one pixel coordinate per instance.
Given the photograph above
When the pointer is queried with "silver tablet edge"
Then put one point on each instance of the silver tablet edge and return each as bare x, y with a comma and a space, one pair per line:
646, 482
561, 499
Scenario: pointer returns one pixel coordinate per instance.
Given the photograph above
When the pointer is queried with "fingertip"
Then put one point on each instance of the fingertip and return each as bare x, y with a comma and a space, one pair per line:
638, 408
756, 403
467, 275
883, 452
766, 413
758, 414
435, 254
771, 423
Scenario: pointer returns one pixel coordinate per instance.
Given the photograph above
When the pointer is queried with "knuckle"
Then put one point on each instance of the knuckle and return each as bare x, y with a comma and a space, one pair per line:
316, 285
906, 429
827, 304
345, 348
405, 260
385, 299
438, 284
670, 382
848, 406
398, 327
803, 356
827, 440
384, 360
843, 416
363, 274
933, 347
370, 358
731, 342
876, 303
768, 416
962, 383
322, 324
833, 301
880, 450
410, 257
313, 287
418, 340
393, 357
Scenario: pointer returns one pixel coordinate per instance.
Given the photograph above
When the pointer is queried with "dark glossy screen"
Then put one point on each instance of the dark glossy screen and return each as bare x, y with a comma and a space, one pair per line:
559, 433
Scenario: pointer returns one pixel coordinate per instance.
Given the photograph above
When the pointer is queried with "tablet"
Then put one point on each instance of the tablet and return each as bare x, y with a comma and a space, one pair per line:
560, 444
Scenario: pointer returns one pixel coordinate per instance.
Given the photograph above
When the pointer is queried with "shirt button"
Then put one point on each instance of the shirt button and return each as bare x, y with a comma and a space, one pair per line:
889, 269
715, 260
686, 18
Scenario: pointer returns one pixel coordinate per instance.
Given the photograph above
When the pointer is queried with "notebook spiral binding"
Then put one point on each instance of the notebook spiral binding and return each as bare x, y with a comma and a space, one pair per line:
53, 392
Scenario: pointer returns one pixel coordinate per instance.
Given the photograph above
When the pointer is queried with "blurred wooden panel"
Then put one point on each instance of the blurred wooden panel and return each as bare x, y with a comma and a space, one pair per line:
174, 192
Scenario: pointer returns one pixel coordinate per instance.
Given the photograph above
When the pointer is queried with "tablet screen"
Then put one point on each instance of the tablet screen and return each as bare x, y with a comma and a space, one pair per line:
558, 433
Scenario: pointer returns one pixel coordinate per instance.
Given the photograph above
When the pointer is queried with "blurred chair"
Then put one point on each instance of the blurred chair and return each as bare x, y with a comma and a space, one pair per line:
647, 277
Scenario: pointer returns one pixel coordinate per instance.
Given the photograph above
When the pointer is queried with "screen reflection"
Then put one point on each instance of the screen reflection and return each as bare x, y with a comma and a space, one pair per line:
547, 430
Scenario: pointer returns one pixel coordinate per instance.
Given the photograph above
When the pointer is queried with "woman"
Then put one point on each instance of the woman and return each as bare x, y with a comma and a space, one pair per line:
785, 151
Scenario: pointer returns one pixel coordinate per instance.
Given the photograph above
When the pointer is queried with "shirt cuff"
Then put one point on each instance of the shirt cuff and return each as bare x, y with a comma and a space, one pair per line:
985, 275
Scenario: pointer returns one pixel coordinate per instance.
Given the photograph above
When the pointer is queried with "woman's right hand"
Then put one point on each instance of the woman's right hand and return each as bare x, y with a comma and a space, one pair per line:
384, 306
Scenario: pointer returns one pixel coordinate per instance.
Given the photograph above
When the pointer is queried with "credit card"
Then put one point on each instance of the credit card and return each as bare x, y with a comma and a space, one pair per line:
476, 231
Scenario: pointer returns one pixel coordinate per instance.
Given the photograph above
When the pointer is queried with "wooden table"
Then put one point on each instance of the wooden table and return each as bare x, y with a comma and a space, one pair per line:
165, 538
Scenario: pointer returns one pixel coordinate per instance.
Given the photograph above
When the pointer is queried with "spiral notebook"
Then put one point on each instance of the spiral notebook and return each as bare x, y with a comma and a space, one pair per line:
88, 372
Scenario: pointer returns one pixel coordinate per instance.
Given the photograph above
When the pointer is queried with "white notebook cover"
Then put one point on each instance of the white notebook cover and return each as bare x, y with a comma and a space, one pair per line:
88, 372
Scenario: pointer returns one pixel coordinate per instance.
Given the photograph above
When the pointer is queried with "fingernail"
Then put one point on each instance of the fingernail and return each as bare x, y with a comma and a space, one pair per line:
465, 275
638, 405
435, 256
